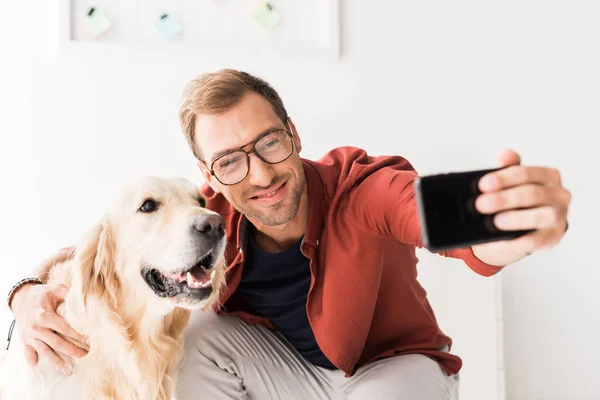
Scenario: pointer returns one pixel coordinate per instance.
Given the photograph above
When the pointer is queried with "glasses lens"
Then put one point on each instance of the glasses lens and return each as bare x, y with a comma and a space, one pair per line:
274, 147
231, 168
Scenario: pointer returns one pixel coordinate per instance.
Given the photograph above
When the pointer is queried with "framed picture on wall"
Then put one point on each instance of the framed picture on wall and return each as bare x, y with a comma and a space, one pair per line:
288, 28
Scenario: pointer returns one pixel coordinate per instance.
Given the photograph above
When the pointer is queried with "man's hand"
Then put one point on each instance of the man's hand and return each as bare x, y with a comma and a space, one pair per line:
524, 198
34, 307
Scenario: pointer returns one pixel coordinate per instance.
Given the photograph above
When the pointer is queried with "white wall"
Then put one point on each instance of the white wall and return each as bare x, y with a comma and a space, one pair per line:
446, 84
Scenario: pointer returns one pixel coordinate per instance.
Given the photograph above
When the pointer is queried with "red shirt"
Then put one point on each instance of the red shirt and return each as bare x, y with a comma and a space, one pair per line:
364, 301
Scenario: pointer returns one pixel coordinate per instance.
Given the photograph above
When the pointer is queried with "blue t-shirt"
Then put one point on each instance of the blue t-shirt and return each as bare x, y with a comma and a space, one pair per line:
276, 284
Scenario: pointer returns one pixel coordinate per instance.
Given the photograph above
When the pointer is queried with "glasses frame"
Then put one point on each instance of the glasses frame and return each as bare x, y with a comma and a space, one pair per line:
252, 150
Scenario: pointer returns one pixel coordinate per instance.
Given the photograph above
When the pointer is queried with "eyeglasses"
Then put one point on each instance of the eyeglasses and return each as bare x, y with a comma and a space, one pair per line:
272, 147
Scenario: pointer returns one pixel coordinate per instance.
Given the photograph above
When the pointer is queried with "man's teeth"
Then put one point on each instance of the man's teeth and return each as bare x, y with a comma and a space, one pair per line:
268, 194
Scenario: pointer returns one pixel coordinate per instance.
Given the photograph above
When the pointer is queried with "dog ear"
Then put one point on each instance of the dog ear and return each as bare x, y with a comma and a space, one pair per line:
97, 264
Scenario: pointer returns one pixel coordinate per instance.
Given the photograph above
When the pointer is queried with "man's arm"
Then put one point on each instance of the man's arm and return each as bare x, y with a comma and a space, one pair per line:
401, 216
41, 272
384, 199
41, 329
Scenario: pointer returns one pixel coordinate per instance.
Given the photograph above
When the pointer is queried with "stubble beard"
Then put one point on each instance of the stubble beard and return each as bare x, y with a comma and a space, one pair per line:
282, 212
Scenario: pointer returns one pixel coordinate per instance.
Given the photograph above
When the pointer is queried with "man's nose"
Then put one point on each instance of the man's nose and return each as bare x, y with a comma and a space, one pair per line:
260, 173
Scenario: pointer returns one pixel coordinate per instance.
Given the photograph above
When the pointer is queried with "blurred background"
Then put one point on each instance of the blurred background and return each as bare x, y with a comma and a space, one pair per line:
88, 104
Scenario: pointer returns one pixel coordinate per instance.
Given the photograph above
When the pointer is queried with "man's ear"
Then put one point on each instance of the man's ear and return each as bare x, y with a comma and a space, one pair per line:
208, 177
297, 141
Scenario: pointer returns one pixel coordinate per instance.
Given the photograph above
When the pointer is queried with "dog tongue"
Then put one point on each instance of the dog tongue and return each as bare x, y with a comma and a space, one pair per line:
198, 275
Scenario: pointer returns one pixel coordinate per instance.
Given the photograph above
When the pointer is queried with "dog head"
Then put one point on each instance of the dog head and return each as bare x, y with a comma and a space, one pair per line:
156, 241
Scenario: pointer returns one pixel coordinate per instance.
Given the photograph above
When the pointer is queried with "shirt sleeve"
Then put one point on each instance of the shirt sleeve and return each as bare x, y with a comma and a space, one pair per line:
384, 201
401, 215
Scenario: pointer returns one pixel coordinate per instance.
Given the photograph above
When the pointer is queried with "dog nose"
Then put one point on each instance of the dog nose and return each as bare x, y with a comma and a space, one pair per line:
211, 225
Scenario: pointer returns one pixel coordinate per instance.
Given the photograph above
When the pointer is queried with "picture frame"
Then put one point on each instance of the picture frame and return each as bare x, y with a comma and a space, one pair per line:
309, 29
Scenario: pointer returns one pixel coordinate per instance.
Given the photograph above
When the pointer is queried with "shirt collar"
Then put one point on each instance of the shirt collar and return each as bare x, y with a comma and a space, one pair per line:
314, 226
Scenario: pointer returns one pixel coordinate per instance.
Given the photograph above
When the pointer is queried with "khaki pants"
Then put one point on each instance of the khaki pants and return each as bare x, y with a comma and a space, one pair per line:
227, 359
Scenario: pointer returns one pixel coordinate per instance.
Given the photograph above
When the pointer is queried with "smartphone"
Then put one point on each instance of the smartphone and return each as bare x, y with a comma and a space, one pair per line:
447, 214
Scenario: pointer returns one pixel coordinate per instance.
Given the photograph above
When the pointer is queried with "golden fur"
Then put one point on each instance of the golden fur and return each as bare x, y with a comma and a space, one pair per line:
135, 336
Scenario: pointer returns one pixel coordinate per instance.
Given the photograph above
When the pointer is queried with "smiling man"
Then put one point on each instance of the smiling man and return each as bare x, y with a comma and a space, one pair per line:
322, 300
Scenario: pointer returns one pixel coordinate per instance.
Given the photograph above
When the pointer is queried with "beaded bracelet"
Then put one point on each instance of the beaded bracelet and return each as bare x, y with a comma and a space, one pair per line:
18, 286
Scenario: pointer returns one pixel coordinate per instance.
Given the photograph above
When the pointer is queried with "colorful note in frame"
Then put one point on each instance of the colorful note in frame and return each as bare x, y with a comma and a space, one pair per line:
96, 21
266, 15
169, 27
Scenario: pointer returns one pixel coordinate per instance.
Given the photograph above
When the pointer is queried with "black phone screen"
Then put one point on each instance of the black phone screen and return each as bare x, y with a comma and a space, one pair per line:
447, 213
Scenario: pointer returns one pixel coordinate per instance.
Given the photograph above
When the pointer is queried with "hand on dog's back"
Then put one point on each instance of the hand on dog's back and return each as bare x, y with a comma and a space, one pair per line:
34, 308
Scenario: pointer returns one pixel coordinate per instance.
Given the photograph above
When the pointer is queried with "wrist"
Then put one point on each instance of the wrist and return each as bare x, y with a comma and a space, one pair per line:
20, 288
489, 257
20, 293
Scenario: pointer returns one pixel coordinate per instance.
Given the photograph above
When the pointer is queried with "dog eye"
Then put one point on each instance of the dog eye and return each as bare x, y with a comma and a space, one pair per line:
202, 202
149, 206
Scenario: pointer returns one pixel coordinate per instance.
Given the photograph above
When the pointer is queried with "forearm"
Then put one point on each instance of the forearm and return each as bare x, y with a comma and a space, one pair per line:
504, 253
40, 272
43, 269
397, 215
404, 225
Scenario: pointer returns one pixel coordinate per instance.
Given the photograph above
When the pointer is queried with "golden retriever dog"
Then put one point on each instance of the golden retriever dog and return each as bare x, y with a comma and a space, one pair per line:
156, 254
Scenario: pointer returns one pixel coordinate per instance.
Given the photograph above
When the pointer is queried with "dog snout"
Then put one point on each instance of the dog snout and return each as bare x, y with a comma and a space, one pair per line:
210, 226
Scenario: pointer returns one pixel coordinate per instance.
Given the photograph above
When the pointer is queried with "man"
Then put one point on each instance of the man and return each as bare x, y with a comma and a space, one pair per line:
322, 299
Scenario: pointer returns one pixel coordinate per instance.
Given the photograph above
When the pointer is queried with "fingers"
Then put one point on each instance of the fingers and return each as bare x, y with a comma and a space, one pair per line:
57, 343
509, 157
61, 292
536, 218
31, 356
524, 196
58, 363
518, 175
56, 323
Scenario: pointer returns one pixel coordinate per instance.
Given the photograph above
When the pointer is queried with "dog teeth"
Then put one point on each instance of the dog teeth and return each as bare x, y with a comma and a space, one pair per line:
198, 285
212, 274
190, 280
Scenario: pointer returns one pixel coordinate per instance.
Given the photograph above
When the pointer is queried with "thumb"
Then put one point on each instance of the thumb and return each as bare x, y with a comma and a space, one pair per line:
509, 157
61, 292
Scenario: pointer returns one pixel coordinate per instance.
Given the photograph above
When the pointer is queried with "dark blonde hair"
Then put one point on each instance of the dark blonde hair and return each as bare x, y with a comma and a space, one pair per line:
217, 92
